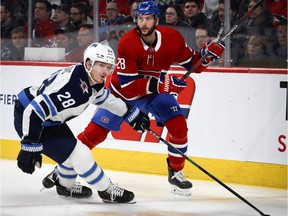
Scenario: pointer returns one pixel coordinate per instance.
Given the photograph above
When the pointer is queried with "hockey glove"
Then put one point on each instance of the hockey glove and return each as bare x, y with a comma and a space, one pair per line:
214, 50
29, 156
167, 84
138, 120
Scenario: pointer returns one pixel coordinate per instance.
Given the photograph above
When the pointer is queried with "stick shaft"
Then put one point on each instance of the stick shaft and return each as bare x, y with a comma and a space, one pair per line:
205, 171
223, 38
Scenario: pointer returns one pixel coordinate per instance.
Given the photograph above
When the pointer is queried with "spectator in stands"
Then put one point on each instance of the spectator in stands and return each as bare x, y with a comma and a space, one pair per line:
218, 18
260, 22
201, 36
20, 11
193, 14
62, 16
164, 4
256, 53
43, 27
124, 8
130, 17
78, 16
209, 7
174, 16
16, 49
113, 15
278, 10
114, 18
216, 27
64, 39
279, 49
85, 38
7, 22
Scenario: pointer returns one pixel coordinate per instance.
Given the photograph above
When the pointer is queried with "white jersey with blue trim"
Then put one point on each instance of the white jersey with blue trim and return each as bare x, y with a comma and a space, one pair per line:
63, 96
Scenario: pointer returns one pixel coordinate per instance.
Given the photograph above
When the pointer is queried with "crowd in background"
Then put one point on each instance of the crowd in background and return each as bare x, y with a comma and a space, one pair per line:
260, 41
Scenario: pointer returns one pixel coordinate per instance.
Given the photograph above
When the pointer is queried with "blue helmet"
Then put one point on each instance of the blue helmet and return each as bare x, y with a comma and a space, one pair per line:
147, 8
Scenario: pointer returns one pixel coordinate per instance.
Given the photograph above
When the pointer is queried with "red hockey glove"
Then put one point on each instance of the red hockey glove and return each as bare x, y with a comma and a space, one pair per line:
167, 84
214, 50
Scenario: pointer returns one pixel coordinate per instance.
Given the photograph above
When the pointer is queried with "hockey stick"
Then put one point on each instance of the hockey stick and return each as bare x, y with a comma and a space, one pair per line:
222, 38
205, 171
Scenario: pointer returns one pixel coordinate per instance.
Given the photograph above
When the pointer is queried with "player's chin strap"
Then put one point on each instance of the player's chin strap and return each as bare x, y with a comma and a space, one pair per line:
89, 73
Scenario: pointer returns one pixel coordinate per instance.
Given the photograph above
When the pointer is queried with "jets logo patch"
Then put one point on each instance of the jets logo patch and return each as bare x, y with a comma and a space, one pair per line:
84, 86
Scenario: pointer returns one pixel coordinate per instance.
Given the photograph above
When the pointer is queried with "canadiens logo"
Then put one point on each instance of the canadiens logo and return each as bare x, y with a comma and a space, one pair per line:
84, 86
104, 119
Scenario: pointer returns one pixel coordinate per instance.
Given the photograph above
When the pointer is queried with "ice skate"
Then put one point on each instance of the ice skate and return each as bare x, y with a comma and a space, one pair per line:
48, 181
179, 185
77, 191
115, 194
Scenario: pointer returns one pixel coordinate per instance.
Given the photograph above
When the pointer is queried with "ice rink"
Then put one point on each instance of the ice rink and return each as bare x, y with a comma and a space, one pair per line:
21, 195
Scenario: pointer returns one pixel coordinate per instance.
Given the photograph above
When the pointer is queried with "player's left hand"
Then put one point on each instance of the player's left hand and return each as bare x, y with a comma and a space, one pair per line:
29, 156
214, 49
138, 120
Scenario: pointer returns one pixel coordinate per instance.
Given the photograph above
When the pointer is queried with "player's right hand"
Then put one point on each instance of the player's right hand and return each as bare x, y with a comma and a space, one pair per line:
29, 156
167, 84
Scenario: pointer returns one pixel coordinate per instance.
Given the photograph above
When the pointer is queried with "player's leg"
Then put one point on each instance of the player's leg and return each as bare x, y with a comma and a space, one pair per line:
78, 161
167, 111
81, 159
58, 144
96, 131
177, 128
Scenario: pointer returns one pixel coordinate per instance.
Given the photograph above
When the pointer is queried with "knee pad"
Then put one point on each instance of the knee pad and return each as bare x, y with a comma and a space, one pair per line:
177, 127
93, 135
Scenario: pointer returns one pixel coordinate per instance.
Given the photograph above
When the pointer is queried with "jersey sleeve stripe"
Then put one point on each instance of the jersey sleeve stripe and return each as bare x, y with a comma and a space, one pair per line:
38, 110
23, 98
102, 98
50, 104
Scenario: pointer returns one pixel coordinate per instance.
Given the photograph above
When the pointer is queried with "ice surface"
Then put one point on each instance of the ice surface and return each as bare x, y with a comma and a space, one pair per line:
20, 195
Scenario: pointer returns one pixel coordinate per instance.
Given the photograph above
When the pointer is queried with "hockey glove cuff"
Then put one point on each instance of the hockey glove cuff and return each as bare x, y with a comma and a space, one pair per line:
29, 156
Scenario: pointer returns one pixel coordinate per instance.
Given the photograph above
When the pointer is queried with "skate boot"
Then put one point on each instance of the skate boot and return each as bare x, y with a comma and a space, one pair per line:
48, 181
77, 191
179, 185
115, 194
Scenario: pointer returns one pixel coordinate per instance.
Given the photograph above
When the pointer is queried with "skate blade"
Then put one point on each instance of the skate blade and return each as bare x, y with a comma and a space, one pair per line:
112, 202
75, 198
178, 191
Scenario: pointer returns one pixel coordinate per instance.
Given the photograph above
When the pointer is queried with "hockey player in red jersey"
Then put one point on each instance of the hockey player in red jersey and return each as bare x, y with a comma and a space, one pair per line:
145, 54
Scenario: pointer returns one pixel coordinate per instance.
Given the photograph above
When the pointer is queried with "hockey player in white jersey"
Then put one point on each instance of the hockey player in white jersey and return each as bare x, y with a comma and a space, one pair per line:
40, 117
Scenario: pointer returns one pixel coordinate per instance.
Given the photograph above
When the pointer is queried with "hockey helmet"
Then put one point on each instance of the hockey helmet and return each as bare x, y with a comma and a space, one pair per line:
147, 8
98, 52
